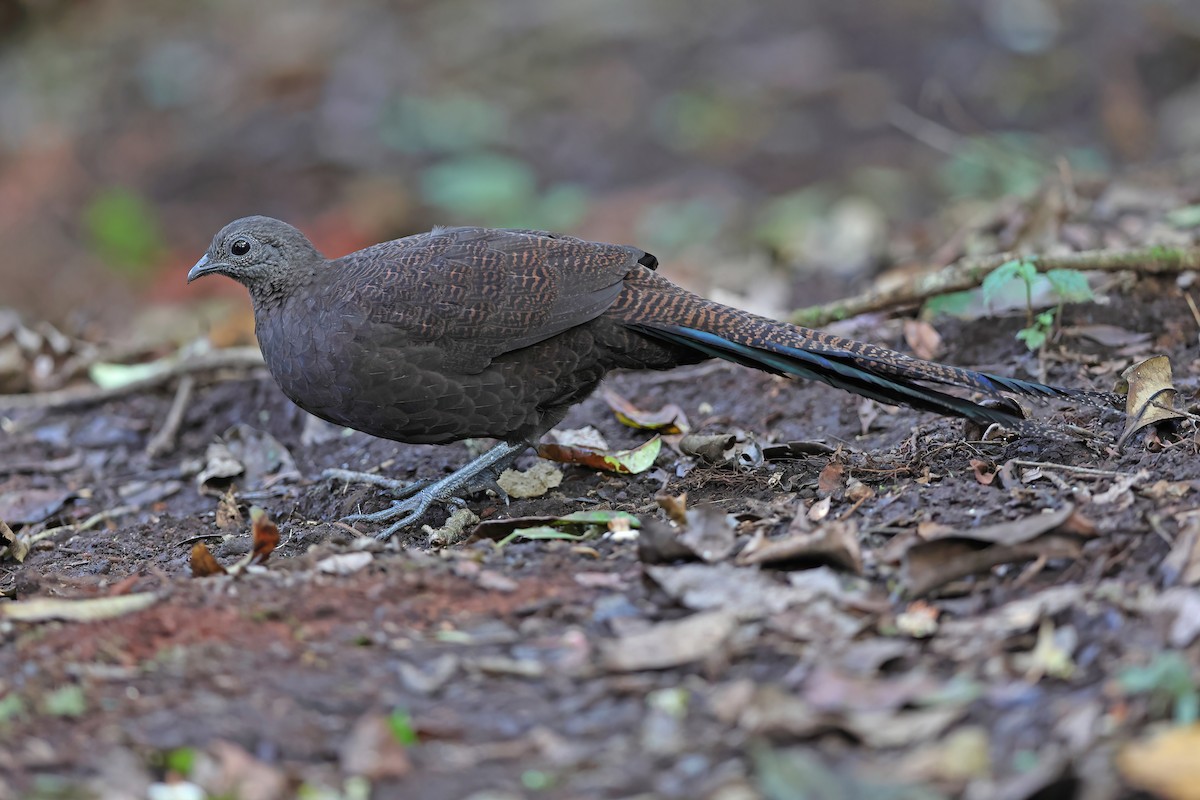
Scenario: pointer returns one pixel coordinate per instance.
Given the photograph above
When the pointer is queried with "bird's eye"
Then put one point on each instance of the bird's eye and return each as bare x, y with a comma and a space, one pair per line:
239, 247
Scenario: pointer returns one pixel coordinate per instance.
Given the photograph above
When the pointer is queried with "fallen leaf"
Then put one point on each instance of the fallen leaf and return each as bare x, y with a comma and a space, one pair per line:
203, 563
31, 506
265, 536
722, 448
1164, 764
229, 516
220, 468
953, 554
830, 478
746, 592
834, 543
345, 563
985, 471
670, 644
41, 609
533, 482
1151, 396
372, 750
624, 462
674, 506
1109, 336
253, 456
919, 620
800, 449
708, 532
1182, 564
669, 419
820, 509
14, 546
497, 529
923, 339
587, 436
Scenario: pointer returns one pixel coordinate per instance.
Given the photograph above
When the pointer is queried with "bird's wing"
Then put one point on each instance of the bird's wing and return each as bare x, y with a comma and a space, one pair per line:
481, 292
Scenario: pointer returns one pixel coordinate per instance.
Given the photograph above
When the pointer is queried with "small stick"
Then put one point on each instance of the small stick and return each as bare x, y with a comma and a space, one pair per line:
164, 440
1097, 473
968, 273
230, 358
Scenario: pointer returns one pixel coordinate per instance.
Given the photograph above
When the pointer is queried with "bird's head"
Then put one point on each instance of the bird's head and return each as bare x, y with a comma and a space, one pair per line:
259, 252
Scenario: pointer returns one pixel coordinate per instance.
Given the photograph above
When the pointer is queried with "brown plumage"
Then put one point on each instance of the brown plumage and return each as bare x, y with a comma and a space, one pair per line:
475, 332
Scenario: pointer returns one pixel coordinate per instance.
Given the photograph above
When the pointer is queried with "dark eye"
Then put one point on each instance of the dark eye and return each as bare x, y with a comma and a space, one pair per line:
239, 247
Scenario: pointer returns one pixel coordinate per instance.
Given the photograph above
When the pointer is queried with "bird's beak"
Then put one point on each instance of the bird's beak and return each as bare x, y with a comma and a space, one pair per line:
203, 267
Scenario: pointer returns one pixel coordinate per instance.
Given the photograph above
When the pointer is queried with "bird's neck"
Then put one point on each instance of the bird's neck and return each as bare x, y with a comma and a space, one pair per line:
273, 291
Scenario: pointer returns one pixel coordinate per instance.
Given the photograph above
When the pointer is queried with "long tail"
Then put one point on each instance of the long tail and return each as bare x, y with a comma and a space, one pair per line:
662, 310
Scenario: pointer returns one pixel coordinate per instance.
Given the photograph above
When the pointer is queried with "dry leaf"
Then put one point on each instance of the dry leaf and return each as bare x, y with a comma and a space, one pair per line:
345, 563
834, 543
820, 509
923, 339
985, 471
670, 644
625, 462
265, 536
1151, 396
1182, 564
669, 419
203, 563
16, 546
831, 477
1166, 764
674, 506
533, 482
228, 514
951, 554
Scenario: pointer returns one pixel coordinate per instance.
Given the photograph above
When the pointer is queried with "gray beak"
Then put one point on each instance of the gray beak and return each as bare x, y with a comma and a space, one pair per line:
202, 268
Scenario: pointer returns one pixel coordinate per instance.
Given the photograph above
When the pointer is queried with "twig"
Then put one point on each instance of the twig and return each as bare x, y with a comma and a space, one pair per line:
231, 358
968, 273
1098, 473
90, 522
162, 441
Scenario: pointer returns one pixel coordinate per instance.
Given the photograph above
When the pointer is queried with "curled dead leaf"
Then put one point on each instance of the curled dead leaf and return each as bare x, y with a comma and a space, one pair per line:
674, 506
625, 462
834, 543
1151, 397
203, 563
265, 536
669, 419
949, 554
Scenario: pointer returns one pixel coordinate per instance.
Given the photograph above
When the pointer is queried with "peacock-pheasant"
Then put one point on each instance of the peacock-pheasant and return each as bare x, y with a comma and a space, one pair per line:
478, 332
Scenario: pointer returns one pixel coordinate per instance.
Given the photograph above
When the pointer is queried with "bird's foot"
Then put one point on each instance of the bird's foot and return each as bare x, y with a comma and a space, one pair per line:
415, 499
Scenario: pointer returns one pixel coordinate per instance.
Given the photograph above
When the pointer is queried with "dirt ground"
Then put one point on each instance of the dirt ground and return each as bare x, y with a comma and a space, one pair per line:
894, 643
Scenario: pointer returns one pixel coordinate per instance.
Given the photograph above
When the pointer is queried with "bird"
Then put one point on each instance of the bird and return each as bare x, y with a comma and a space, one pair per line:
475, 332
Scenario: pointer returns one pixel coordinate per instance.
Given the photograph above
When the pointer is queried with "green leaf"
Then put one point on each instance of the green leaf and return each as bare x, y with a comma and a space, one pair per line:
1027, 271
400, 723
66, 701
953, 305
181, 760
1071, 285
997, 278
1033, 337
1185, 217
11, 706
599, 518
540, 533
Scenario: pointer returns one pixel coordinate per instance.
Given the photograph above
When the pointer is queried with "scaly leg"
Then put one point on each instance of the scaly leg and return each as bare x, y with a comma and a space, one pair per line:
415, 499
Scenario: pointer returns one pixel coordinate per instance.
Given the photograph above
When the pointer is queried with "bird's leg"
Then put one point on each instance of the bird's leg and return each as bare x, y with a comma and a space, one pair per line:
416, 498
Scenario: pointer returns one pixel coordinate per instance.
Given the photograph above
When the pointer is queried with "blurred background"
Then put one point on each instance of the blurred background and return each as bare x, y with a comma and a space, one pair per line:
756, 148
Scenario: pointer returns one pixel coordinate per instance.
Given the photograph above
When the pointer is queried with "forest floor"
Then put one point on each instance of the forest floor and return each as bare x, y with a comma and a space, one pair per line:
844, 619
